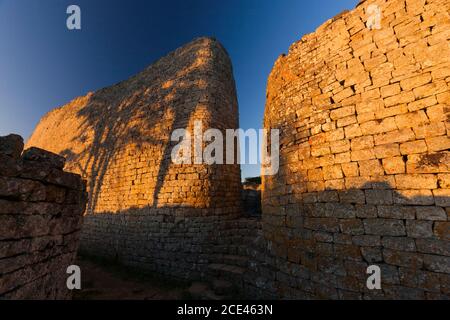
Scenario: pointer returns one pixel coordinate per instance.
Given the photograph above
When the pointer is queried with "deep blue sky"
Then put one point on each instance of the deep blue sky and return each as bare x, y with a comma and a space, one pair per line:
43, 65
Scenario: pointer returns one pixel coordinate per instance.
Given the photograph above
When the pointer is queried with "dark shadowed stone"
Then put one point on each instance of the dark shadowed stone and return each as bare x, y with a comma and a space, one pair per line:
439, 247
399, 243
384, 227
65, 179
11, 145
49, 158
34, 170
437, 263
9, 167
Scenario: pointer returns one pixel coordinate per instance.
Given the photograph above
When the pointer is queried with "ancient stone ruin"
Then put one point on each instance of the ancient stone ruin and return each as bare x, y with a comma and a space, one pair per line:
41, 213
364, 168
363, 113
143, 209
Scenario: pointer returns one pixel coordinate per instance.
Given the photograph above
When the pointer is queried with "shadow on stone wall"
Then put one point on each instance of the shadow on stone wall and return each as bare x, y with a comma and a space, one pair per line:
177, 241
330, 237
317, 250
143, 209
122, 115
125, 130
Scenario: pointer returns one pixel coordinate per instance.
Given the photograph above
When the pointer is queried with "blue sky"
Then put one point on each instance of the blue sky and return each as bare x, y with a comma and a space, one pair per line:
43, 65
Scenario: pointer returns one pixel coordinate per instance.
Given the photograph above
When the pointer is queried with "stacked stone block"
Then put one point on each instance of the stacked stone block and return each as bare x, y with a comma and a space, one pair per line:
41, 211
364, 163
144, 209
364, 116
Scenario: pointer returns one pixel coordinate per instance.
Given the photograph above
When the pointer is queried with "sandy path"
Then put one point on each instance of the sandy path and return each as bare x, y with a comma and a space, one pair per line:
100, 281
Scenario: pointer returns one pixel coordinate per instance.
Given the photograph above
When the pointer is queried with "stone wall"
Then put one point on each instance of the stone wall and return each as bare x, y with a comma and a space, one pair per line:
41, 210
143, 209
364, 163
364, 171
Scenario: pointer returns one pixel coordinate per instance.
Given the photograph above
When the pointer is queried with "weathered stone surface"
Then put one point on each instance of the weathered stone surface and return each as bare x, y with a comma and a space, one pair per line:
11, 145
384, 227
364, 144
442, 230
437, 263
419, 229
8, 166
432, 246
44, 157
143, 208
39, 227
388, 91
431, 213
399, 243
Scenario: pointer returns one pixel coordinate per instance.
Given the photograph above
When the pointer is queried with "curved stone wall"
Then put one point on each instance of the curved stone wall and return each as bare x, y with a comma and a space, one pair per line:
143, 209
364, 172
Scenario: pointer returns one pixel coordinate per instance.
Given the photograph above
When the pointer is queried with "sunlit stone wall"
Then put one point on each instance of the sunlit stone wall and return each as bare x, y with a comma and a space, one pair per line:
143, 209
364, 170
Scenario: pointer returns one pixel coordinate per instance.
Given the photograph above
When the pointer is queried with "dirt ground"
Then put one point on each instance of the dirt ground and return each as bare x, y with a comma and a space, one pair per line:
109, 281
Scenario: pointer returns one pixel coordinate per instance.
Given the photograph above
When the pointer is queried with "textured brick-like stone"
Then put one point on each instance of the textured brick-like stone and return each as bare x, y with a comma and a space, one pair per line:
442, 230
40, 223
410, 181
399, 243
419, 229
394, 165
44, 157
438, 143
11, 145
389, 94
119, 139
432, 246
379, 197
384, 227
395, 136
370, 168
351, 226
364, 133
387, 151
431, 213
418, 146
437, 263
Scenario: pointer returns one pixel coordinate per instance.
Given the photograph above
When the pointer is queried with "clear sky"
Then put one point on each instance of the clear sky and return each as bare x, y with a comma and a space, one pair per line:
43, 65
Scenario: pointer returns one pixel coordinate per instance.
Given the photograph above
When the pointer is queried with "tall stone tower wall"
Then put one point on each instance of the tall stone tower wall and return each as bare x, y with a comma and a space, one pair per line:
364, 176
143, 209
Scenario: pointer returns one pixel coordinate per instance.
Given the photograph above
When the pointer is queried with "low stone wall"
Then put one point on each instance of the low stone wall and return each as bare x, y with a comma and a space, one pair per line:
41, 210
251, 198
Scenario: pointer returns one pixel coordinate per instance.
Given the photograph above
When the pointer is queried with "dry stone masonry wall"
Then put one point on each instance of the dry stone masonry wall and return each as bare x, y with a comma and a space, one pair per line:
364, 163
41, 213
143, 209
364, 172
